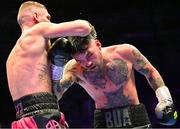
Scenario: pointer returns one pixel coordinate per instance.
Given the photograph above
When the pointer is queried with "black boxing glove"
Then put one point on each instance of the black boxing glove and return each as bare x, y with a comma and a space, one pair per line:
58, 55
165, 109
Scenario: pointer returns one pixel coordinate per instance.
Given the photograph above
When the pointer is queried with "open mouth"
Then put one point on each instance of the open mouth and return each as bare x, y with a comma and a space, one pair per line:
92, 67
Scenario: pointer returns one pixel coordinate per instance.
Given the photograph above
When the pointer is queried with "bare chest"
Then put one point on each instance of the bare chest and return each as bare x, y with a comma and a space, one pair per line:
114, 73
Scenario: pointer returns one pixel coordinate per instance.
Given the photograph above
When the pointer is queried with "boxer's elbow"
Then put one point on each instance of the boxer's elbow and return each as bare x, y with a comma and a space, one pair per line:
84, 27
65, 84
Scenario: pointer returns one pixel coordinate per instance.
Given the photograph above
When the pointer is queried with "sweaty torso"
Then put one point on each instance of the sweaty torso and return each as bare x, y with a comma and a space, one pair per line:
112, 86
27, 66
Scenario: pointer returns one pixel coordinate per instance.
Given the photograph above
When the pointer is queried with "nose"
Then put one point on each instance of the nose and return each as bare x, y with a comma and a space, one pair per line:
88, 64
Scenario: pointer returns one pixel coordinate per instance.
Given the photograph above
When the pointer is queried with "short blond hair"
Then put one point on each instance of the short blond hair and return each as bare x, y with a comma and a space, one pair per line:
28, 6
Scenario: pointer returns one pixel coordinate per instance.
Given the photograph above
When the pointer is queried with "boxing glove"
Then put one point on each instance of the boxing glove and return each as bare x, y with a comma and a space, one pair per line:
165, 109
58, 55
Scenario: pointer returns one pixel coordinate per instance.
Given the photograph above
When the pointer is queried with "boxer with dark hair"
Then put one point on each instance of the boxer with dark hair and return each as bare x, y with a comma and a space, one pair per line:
107, 74
29, 70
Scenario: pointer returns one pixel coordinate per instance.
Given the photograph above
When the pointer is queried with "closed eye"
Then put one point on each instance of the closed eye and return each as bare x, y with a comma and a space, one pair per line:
89, 55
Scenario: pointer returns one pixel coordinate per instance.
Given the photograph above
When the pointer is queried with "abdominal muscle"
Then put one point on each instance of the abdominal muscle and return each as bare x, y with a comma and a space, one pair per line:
112, 96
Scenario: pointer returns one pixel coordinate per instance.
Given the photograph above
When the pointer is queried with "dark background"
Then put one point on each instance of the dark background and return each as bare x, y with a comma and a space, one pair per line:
151, 25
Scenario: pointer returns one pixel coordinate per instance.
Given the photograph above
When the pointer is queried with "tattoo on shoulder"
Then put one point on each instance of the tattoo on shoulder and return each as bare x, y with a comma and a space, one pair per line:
156, 82
138, 58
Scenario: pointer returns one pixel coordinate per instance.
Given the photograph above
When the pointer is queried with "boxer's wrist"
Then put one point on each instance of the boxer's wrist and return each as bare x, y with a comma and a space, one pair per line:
163, 94
57, 72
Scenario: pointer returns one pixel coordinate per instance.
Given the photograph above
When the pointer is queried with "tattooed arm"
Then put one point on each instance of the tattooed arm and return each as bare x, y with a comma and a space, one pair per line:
143, 66
68, 78
165, 109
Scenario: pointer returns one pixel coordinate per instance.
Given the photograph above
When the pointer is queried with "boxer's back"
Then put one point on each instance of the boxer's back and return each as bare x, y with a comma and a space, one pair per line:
27, 66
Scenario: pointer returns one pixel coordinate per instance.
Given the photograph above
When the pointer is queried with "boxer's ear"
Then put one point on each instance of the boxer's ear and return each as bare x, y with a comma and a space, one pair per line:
98, 43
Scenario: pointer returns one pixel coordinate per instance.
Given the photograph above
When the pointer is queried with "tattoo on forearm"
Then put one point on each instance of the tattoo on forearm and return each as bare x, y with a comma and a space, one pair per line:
60, 87
66, 84
156, 82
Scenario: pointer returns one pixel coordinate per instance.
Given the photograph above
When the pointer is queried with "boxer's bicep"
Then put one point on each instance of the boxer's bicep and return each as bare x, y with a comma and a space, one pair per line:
140, 63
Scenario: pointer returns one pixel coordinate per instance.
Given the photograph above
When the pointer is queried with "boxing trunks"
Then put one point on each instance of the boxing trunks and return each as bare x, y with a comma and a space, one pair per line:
123, 117
38, 110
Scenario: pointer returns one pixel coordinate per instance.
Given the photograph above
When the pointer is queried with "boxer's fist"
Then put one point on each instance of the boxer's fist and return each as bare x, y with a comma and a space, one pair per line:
165, 109
58, 53
166, 113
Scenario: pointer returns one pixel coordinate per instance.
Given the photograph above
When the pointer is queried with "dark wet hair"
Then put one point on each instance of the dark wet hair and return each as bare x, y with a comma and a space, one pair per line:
79, 44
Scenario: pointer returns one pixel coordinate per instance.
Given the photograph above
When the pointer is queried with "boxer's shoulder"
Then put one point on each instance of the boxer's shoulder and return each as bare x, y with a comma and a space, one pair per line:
71, 65
125, 47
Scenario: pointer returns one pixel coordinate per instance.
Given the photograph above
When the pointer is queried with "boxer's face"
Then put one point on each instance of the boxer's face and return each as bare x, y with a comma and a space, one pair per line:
91, 58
